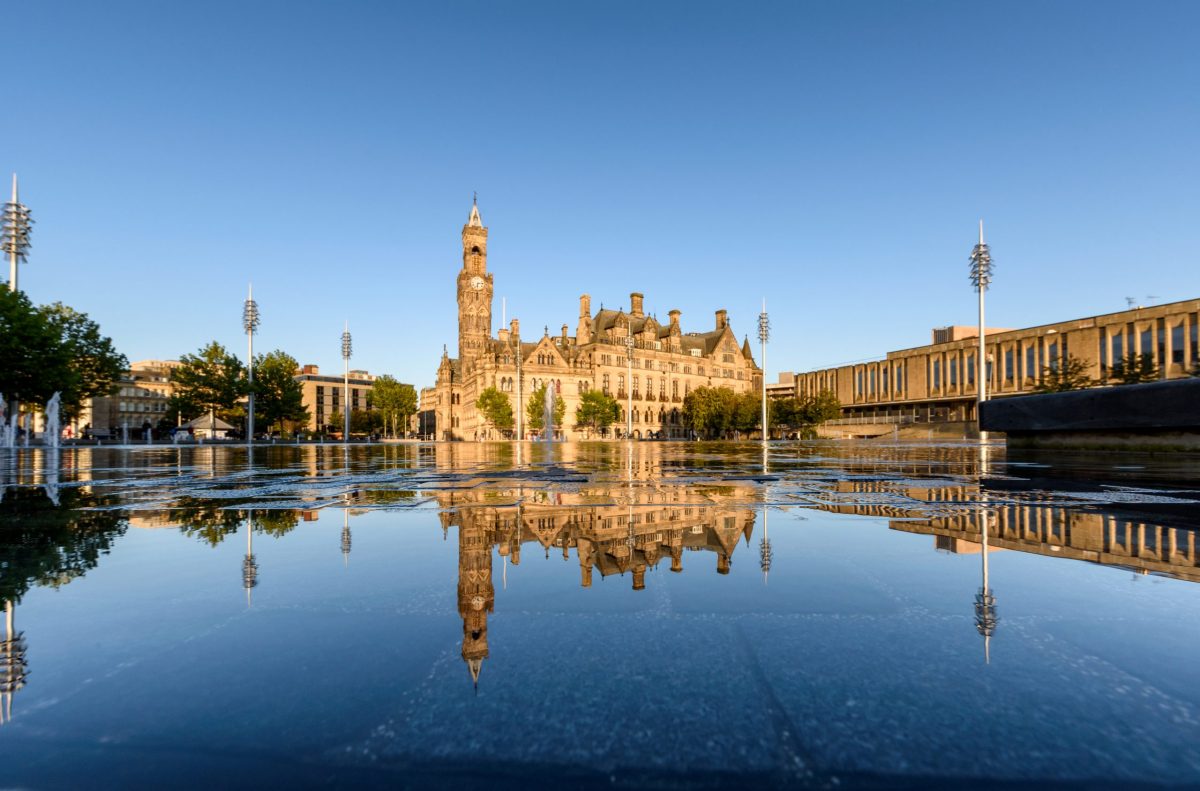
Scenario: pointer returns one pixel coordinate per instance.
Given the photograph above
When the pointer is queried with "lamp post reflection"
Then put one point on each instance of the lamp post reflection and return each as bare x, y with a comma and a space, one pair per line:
985, 601
13, 667
346, 540
249, 565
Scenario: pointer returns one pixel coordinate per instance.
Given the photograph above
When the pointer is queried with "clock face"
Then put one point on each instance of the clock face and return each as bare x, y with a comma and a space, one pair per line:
477, 282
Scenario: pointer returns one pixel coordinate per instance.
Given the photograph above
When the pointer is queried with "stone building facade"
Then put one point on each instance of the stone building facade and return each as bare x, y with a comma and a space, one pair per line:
140, 398
667, 363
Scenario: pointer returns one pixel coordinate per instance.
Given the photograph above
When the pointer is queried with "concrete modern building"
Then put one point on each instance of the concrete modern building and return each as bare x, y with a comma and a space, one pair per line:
324, 395
936, 382
668, 363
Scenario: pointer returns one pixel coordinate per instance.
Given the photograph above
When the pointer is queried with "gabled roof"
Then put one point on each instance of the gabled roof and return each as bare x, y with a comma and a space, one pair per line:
209, 422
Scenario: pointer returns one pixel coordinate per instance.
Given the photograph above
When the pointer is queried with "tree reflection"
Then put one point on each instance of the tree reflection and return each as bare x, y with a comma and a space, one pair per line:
43, 542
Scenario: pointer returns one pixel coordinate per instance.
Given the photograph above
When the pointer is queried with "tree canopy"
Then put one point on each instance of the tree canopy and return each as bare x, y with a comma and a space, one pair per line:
54, 348
718, 411
394, 400
1135, 369
278, 397
211, 380
495, 408
597, 411
1068, 374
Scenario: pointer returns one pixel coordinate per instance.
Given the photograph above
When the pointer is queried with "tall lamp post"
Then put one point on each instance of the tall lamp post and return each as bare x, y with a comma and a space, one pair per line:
347, 350
250, 320
14, 238
981, 277
764, 332
628, 387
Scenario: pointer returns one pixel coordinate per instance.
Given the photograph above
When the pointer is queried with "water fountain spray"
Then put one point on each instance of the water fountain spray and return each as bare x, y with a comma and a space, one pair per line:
347, 351
548, 413
250, 321
981, 278
53, 425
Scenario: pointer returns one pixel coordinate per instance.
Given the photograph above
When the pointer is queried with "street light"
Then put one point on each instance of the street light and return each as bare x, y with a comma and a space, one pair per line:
764, 332
981, 277
14, 240
347, 350
14, 236
250, 320
629, 387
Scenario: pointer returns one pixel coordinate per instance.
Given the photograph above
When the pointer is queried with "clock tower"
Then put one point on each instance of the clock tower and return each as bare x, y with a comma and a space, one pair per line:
474, 293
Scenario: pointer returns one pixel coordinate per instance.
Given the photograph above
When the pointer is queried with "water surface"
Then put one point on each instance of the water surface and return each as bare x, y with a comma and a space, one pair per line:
661, 614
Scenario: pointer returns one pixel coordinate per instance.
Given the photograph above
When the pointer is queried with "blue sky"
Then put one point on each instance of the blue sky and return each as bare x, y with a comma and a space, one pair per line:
834, 158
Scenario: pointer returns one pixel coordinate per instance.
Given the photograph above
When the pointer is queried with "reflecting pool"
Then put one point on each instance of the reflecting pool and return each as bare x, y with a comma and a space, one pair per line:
669, 615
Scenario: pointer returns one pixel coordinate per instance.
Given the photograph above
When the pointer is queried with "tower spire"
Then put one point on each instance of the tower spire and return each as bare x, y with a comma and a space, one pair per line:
981, 231
475, 221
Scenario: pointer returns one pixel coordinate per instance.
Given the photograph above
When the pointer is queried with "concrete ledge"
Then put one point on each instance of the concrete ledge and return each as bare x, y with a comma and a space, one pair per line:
1149, 417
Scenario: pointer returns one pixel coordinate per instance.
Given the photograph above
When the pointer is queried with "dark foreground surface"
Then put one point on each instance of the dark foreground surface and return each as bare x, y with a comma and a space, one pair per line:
598, 615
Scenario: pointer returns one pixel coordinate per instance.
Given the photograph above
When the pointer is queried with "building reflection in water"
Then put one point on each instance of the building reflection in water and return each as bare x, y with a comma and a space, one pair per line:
647, 530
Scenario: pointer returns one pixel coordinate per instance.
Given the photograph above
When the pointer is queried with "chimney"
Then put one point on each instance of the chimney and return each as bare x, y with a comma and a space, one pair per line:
504, 335
564, 335
639, 578
586, 573
514, 328
722, 318
635, 305
585, 306
674, 321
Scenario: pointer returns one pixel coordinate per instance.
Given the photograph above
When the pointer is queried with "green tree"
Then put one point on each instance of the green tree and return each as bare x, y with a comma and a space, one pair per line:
95, 364
1069, 374
51, 349
395, 400
782, 413
34, 361
597, 411
747, 412
535, 409
278, 397
1135, 369
336, 422
365, 421
817, 409
710, 411
211, 381
495, 408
